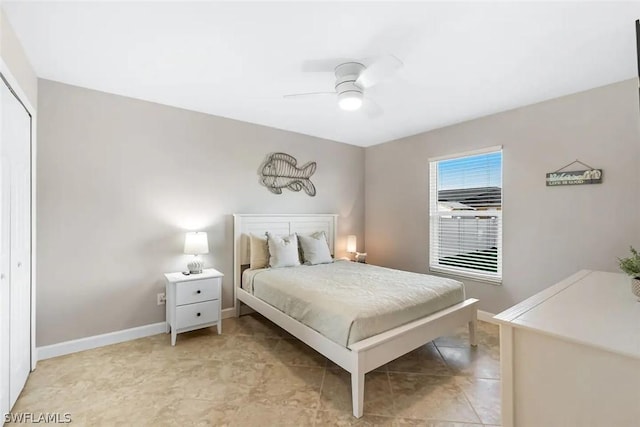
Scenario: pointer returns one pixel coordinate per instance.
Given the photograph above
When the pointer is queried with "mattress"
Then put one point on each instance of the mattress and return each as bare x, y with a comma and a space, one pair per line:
348, 301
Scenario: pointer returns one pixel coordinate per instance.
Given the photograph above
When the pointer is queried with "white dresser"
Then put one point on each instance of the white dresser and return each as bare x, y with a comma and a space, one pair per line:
193, 301
570, 355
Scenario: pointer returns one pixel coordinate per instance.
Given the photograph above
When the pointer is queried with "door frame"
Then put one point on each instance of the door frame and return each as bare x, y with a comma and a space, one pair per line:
14, 86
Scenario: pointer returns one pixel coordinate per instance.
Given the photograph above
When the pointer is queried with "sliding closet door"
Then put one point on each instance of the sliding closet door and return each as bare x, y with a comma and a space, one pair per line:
20, 344
5, 259
16, 192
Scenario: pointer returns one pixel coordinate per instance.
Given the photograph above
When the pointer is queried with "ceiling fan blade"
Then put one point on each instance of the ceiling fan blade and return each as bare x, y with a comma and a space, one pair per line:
371, 108
322, 65
307, 95
381, 69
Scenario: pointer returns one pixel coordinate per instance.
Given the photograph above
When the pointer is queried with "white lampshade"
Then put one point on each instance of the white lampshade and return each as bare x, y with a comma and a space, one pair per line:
350, 101
196, 243
351, 243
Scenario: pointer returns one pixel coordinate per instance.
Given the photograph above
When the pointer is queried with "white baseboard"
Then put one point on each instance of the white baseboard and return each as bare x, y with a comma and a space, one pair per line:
485, 316
73, 346
228, 312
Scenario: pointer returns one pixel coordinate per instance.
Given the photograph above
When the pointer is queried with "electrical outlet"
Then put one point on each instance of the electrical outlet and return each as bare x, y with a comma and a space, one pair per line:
162, 299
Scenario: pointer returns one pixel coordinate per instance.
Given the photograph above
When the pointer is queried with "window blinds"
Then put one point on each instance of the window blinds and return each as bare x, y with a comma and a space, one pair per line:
466, 215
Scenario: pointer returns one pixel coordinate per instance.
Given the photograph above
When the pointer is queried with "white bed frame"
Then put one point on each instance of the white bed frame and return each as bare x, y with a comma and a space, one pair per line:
360, 357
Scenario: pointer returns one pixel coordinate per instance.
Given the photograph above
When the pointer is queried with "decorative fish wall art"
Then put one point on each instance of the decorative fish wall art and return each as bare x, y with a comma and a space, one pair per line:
280, 170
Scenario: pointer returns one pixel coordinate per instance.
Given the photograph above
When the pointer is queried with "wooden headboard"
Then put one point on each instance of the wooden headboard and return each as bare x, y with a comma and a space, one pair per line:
280, 224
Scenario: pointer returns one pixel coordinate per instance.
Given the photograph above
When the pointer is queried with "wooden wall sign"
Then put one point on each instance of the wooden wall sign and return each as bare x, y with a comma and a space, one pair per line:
581, 177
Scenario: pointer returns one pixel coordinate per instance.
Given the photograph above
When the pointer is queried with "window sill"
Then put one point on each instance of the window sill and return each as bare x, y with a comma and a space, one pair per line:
471, 276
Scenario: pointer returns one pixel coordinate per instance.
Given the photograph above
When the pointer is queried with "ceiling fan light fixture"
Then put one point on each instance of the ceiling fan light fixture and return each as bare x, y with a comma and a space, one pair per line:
350, 101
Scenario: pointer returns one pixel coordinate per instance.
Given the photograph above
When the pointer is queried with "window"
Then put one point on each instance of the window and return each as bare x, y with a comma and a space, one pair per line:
466, 214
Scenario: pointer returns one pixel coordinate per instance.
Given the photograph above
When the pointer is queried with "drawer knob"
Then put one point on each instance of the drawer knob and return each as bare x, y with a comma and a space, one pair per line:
198, 314
198, 291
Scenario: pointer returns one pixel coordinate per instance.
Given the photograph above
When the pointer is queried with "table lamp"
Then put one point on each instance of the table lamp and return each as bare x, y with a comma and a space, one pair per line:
195, 243
351, 244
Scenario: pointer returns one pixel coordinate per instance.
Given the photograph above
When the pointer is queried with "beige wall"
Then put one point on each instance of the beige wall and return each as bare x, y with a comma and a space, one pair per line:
14, 57
120, 180
549, 233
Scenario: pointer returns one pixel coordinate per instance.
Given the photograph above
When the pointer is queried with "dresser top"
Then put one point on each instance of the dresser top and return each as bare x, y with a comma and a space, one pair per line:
207, 273
590, 307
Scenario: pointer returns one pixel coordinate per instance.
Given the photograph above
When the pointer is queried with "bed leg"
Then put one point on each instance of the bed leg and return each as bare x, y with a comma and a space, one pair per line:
473, 325
357, 393
237, 307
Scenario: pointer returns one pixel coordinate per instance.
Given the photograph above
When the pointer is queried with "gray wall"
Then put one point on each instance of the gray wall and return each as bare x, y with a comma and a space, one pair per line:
549, 233
13, 55
119, 182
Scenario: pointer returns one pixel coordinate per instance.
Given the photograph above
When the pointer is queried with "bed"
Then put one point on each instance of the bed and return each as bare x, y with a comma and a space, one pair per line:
359, 316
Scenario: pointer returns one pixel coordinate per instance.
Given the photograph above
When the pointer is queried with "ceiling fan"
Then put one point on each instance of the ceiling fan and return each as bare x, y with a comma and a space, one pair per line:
352, 78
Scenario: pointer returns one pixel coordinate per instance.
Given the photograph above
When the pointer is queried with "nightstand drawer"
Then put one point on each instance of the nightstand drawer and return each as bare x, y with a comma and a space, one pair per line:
197, 291
195, 314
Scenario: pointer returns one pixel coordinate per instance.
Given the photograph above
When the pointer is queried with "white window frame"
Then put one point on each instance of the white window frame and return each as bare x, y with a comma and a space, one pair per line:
494, 278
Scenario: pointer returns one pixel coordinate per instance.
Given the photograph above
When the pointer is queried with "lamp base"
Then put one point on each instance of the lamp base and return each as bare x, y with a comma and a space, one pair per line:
195, 266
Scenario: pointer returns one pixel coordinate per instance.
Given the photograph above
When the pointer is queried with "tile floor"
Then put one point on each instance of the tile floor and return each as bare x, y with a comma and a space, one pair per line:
255, 374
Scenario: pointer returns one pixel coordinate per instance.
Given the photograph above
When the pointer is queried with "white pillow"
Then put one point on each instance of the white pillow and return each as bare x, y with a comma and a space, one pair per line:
259, 256
315, 249
283, 251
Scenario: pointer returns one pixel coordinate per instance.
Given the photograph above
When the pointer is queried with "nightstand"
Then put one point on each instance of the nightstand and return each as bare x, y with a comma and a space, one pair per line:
193, 301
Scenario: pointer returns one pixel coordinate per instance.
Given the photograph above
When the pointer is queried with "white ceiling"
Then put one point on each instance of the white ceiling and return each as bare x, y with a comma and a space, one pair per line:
231, 59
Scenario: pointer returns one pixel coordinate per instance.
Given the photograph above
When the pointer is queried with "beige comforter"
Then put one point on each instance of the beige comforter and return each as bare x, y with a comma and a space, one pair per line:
347, 301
